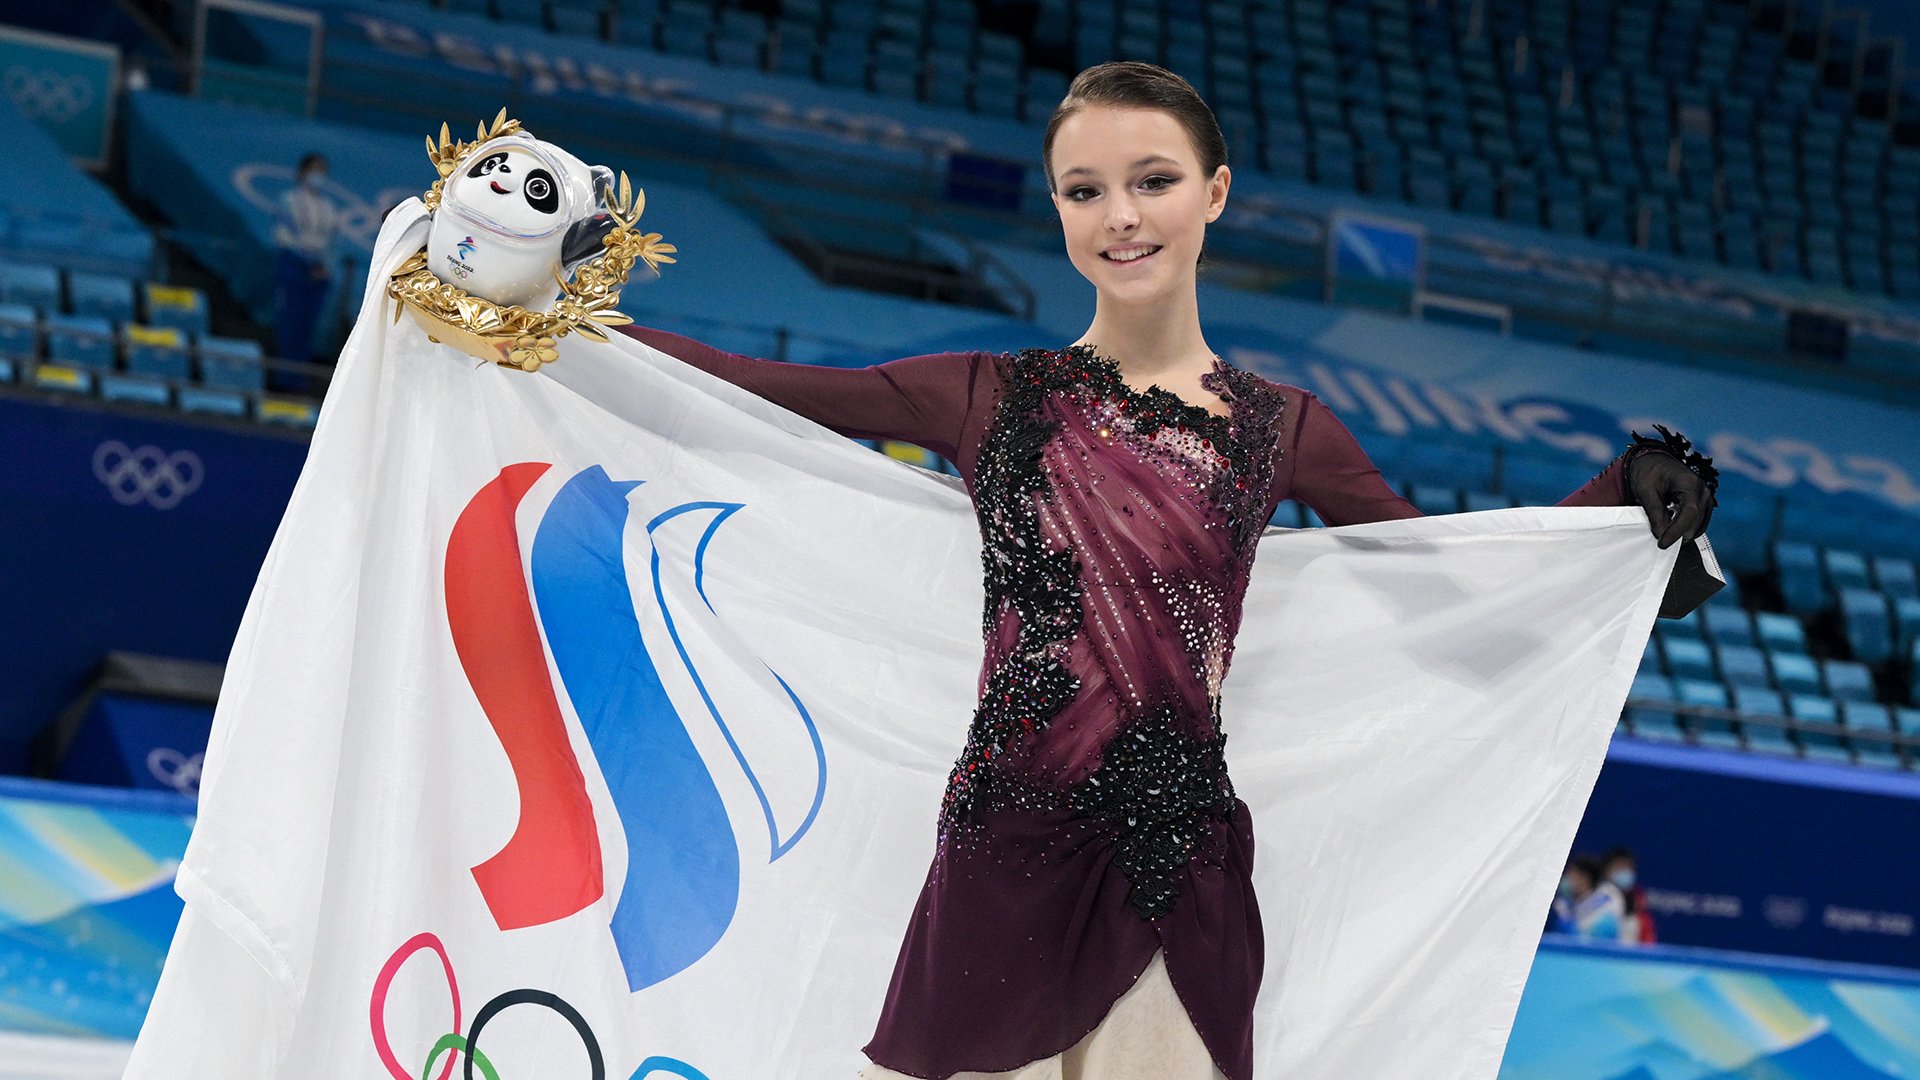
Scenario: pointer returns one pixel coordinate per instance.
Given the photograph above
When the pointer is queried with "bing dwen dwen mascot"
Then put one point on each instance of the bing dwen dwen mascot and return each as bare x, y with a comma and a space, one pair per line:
527, 243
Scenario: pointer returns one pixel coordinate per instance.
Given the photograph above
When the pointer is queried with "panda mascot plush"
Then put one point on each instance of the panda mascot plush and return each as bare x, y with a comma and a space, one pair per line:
525, 244
513, 217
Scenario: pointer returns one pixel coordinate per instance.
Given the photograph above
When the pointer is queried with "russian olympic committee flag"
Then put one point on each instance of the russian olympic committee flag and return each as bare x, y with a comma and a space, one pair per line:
593, 724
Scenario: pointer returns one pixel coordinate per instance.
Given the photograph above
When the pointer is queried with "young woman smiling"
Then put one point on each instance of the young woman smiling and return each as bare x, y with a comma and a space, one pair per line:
1089, 912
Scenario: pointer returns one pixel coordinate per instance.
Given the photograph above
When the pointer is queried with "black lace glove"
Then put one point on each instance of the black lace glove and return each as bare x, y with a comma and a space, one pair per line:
1673, 482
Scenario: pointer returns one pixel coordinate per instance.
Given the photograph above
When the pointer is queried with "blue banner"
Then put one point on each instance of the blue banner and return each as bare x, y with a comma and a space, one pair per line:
133, 533
1740, 851
65, 85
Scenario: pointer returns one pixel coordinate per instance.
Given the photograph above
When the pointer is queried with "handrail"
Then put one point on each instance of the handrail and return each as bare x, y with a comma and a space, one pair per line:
1906, 741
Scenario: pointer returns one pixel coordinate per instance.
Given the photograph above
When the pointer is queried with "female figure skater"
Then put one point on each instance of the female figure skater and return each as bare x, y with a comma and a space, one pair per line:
1089, 912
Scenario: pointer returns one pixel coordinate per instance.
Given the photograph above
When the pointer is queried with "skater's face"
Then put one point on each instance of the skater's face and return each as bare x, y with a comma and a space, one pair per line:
1134, 200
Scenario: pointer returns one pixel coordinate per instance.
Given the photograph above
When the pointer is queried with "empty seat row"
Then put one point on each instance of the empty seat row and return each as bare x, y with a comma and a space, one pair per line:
1768, 721
1746, 665
1811, 578
51, 292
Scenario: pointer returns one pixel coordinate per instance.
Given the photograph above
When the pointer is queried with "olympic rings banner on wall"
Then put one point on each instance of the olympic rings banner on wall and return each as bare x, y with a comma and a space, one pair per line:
593, 724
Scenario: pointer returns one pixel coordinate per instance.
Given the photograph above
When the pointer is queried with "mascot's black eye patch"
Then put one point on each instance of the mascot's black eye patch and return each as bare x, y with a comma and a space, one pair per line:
540, 192
490, 163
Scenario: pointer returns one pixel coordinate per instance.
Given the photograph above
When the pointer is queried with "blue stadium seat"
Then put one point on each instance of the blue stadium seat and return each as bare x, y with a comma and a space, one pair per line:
157, 351
1687, 658
110, 298
1869, 717
230, 364
36, 286
1812, 709
180, 306
1895, 577
1433, 500
1906, 624
19, 332
1796, 673
207, 400
1780, 633
1863, 614
1650, 658
1848, 679
580, 18
81, 341
1476, 501
1708, 731
1753, 701
1845, 570
1728, 625
1798, 567
1649, 721
1742, 666
135, 388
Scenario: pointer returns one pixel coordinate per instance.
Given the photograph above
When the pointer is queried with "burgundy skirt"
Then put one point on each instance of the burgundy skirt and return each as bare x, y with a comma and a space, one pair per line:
1023, 940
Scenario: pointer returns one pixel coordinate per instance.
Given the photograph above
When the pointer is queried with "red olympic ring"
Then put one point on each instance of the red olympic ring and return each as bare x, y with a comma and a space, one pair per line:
378, 1007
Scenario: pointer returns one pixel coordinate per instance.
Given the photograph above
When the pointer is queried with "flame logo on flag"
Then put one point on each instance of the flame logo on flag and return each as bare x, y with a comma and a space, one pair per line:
683, 862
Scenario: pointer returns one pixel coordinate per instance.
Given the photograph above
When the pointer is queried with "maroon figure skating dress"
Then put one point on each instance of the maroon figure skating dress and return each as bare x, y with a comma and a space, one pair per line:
1089, 822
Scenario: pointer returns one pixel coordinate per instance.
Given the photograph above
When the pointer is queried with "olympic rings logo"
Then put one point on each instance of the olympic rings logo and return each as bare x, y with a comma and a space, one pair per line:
178, 771
359, 220
454, 1044
48, 95
148, 475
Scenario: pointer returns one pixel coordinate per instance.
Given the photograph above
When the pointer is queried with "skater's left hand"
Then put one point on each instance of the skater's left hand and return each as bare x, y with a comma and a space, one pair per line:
1659, 481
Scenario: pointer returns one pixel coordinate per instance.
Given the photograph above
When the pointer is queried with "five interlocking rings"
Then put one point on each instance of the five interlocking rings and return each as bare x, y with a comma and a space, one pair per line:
181, 772
48, 95
454, 1043
148, 475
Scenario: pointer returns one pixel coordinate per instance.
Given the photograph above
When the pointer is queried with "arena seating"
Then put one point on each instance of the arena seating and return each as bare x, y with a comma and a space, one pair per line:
1817, 634
62, 219
1675, 126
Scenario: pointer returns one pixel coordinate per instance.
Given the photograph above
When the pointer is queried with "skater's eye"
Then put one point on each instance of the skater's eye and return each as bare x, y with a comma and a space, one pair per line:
488, 164
540, 193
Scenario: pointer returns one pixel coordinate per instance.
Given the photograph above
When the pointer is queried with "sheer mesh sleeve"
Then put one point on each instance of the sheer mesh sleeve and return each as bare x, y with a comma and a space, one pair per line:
924, 400
1334, 476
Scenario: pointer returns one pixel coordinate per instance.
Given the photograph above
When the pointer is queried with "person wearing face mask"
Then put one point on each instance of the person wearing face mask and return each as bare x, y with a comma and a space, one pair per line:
1092, 855
1636, 924
1588, 905
303, 232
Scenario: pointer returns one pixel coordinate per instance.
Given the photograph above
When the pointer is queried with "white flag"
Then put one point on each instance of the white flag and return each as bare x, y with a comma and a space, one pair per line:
594, 724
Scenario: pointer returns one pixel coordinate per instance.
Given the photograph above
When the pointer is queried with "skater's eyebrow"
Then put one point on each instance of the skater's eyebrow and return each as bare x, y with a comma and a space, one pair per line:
1141, 164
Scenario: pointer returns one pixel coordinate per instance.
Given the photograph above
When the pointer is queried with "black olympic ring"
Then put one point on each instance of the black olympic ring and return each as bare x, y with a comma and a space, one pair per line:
534, 997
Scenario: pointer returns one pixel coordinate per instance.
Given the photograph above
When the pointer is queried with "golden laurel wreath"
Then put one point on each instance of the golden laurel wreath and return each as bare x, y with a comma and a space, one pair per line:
509, 334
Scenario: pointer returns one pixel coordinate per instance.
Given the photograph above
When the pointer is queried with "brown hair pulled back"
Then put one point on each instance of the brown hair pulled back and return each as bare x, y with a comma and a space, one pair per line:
1132, 84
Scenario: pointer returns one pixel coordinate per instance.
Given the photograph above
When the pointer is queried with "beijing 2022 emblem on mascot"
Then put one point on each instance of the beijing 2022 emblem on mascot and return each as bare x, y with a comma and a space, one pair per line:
527, 244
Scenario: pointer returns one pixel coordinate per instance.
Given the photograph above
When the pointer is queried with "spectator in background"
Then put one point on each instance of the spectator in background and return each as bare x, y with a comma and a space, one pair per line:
303, 268
1589, 906
1636, 925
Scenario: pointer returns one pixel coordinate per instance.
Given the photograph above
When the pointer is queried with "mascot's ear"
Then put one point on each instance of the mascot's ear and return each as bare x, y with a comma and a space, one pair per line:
583, 237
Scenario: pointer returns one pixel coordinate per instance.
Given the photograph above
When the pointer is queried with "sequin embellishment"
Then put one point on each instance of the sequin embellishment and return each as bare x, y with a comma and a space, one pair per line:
1157, 782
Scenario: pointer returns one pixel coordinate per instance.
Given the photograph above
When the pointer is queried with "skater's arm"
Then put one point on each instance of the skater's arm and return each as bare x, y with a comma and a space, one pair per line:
915, 399
1334, 476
